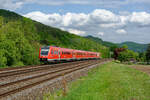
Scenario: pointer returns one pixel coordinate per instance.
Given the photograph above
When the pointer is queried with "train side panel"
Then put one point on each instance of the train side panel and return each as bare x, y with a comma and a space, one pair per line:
54, 54
66, 54
51, 53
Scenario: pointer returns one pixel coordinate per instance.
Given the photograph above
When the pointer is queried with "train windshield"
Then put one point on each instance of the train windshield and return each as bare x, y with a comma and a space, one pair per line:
44, 51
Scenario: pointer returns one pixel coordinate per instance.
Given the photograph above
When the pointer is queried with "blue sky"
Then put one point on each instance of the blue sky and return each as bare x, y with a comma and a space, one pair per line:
111, 20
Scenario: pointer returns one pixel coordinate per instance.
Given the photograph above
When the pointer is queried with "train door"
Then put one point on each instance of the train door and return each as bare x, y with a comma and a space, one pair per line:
55, 53
59, 54
73, 54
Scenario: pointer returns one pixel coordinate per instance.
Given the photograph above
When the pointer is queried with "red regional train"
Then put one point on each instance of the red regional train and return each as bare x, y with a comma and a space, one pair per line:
53, 54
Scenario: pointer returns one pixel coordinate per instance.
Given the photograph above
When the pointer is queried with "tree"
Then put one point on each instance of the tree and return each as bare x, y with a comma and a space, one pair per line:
3, 59
1, 21
127, 55
148, 53
117, 51
142, 56
112, 48
125, 46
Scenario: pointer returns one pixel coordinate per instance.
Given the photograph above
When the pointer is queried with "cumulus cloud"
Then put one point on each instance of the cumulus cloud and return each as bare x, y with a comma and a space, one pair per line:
104, 16
97, 23
121, 31
142, 18
100, 33
73, 19
48, 19
77, 32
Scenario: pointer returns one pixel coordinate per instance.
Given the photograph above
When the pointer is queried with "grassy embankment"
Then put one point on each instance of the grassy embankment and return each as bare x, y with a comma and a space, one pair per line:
111, 81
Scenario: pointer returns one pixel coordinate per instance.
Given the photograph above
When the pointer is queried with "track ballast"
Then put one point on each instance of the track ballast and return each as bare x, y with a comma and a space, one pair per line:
43, 74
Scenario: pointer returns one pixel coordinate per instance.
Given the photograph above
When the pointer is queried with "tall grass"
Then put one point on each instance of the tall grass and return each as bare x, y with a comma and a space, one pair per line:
111, 81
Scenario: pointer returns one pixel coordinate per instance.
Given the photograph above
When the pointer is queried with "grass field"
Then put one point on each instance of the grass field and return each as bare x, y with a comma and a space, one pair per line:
110, 81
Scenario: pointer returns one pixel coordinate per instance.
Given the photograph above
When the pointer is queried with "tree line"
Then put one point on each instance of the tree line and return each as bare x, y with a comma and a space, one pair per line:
123, 54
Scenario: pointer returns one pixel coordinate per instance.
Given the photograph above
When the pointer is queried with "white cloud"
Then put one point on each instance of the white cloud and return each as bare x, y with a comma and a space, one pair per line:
121, 31
102, 15
48, 19
96, 23
100, 33
142, 18
10, 4
111, 25
74, 19
77, 32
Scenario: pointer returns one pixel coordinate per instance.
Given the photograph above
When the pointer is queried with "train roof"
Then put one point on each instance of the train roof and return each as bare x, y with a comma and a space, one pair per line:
47, 47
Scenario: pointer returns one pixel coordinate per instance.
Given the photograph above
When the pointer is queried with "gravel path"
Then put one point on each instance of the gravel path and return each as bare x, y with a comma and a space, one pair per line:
143, 68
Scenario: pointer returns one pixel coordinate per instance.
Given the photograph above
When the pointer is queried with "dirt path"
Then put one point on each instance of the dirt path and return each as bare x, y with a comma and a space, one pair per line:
144, 68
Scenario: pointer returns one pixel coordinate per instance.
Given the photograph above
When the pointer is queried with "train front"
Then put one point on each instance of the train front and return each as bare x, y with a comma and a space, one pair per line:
43, 53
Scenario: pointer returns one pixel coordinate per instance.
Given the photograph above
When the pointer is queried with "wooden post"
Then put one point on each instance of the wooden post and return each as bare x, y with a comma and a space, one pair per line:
64, 85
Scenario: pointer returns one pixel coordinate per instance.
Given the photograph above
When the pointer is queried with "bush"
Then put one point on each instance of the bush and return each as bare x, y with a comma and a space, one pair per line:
3, 59
127, 55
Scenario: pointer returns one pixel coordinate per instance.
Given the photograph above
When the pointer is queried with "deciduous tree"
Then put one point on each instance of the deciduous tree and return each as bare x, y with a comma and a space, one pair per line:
148, 53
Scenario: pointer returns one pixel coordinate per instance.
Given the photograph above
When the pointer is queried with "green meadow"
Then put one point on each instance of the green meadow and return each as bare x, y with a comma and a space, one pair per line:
111, 81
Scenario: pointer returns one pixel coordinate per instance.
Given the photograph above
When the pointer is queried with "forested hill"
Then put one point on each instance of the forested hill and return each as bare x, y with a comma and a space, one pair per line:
98, 40
21, 38
131, 45
135, 46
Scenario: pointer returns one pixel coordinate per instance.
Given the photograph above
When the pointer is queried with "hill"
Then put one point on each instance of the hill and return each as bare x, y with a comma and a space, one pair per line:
131, 45
21, 38
105, 43
134, 46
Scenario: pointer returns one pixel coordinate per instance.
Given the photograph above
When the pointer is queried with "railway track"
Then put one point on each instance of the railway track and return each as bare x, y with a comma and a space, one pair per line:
54, 70
22, 70
19, 85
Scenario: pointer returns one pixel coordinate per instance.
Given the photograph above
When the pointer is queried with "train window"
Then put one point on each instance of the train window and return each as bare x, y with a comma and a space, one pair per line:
55, 52
44, 52
79, 53
51, 51
66, 52
45, 47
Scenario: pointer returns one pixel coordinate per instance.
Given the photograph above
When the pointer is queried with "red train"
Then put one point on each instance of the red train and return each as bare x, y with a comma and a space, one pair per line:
52, 53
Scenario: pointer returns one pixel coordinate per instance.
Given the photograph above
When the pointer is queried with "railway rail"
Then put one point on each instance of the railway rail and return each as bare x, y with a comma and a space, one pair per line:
22, 70
9, 88
53, 70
